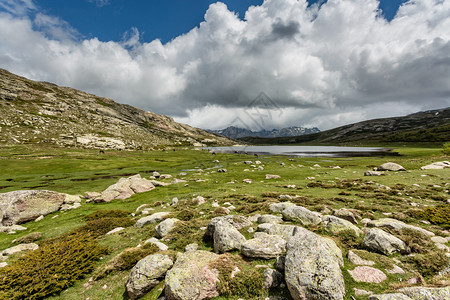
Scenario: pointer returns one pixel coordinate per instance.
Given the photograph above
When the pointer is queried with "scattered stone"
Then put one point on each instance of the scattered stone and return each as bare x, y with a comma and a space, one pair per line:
390, 166
272, 278
415, 280
335, 225
439, 239
270, 219
157, 243
19, 248
199, 200
28, 238
396, 224
165, 176
247, 181
115, 230
227, 237
357, 260
271, 176
176, 181
346, 215
174, 201
359, 292
367, 274
442, 247
285, 197
374, 173
381, 241
302, 215
264, 246
146, 274
248, 162
3, 264
396, 270
221, 170
159, 183
66, 207
286, 231
154, 218
191, 277
163, 228
437, 165
312, 269
279, 207
191, 247
40, 218
156, 174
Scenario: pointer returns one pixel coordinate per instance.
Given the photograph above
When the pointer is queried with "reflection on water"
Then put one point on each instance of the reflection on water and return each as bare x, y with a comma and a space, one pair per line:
306, 151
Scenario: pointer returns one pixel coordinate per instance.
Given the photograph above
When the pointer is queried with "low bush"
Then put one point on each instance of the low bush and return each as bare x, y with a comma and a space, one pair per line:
56, 265
417, 241
349, 238
438, 215
187, 232
100, 214
430, 263
101, 226
446, 149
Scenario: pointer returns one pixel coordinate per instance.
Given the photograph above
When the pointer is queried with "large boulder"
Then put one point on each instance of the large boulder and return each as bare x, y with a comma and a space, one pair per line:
335, 225
125, 188
191, 277
227, 237
381, 241
264, 246
437, 166
396, 224
302, 215
146, 274
237, 222
163, 228
22, 206
346, 215
312, 268
390, 166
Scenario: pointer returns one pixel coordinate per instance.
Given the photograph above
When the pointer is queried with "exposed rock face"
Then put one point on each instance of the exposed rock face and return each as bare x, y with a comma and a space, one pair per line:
302, 215
146, 274
334, 225
381, 241
367, 274
227, 237
264, 246
125, 188
237, 222
163, 228
390, 166
21, 206
156, 217
191, 277
437, 166
312, 269
396, 224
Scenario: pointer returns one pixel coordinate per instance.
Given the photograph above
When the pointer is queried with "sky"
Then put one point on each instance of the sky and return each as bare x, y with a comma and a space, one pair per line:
245, 63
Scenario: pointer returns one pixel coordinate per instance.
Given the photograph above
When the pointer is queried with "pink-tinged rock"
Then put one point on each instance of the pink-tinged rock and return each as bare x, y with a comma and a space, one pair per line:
367, 274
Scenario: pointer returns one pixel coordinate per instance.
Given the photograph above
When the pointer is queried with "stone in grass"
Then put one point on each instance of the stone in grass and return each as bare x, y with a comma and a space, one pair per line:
264, 246
302, 215
335, 225
163, 228
115, 230
373, 173
191, 277
357, 260
367, 274
396, 224
312, 268
227, 237
19, 248
146, 274
393, 296
157, 243
383, 242
390, 166
346, 215
272, 176
154, 218
279, 207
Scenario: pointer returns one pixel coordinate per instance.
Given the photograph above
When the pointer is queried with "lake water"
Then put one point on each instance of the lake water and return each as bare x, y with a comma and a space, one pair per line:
306, 151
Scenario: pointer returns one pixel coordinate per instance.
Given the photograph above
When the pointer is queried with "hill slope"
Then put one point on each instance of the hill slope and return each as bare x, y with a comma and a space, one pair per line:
235, 132
41, 112
427, 126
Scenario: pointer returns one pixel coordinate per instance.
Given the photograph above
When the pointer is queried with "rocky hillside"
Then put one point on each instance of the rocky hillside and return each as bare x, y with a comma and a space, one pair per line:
427, 126
41, 112
236, 132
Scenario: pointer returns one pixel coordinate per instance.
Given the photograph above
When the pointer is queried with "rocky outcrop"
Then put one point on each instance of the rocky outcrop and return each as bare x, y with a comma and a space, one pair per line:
380, 241
22, 206
125, 188
302, 215
146, 274
264, 245
191, 277
312, 270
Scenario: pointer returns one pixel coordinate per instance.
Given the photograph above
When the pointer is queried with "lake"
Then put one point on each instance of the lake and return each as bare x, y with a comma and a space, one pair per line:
306, 151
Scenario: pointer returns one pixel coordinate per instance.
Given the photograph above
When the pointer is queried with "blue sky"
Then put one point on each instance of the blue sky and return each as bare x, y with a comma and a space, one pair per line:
155, 19
204, 62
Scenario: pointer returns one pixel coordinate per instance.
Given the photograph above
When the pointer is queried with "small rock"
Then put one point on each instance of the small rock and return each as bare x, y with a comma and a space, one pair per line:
161, 246
163, 228
271, 176
227, 237
396, 270
357, 260
3, 264
115, 230
270, 219
272, 278
367, 274
199, 200
302, 215
373, 173
390, 166
247, 181
39, 218
191, 247
174, 201
264, 246
439, 239
359, 292
154, 218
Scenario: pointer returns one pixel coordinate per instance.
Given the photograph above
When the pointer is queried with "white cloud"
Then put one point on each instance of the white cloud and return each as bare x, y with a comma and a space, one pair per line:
100, 3
322, 67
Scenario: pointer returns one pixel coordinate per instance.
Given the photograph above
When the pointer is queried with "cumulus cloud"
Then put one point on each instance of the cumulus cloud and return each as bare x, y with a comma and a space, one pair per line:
322, 66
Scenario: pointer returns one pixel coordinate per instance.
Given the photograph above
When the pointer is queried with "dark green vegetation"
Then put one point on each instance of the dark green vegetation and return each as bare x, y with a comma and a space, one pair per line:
432, 127
76, 171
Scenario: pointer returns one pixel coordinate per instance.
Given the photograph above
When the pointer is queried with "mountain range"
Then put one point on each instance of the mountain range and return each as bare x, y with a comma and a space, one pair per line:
41, 112
236, 132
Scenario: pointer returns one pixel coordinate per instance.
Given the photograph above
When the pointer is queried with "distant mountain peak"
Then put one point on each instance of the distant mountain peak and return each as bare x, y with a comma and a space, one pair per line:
236, 132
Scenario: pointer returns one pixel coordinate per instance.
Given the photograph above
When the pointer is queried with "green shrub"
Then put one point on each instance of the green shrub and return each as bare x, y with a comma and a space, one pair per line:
438, 215
187, 232
349, 238
417, 241
101, 226
99, 214
446, 149
56, 265
126, 259
430, 263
